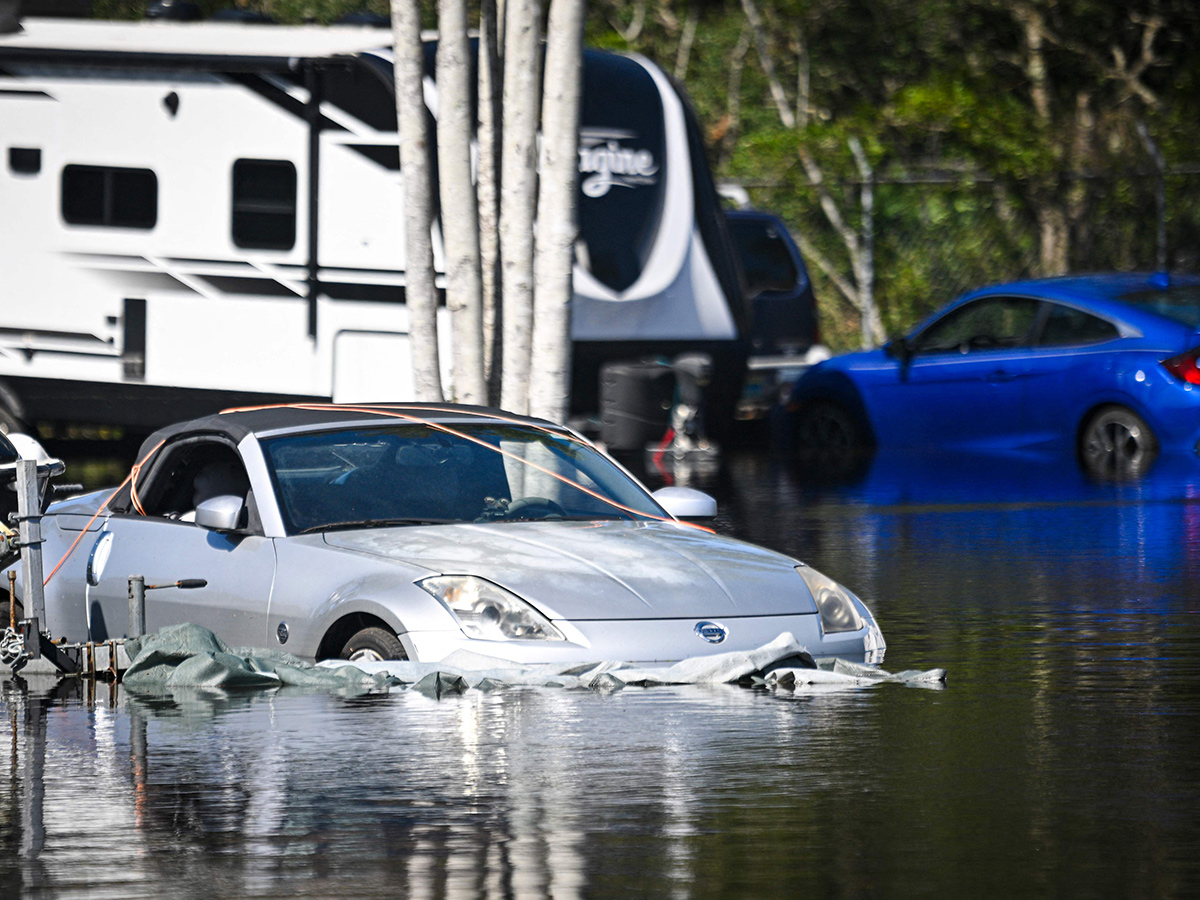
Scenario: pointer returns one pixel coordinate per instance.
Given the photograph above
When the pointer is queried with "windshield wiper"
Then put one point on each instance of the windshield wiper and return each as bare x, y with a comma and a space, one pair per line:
589, 517
375, 523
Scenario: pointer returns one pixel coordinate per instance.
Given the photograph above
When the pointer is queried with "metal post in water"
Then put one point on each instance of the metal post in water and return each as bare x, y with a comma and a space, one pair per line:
137, 606
29, 509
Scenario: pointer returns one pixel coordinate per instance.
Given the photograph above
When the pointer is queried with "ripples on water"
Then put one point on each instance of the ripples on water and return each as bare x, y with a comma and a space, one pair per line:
1060, 760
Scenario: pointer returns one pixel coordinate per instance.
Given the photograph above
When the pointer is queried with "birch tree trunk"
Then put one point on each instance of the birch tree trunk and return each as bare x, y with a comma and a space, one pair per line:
768, 65
864, 261
550, 381
420, 293
518, 179
488, 190
859, 245
460, 224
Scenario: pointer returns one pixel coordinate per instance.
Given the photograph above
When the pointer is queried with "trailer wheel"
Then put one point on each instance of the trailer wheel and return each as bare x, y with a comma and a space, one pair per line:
371, 645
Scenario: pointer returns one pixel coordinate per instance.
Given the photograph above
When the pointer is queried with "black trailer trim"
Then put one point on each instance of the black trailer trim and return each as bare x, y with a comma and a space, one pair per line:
133, 405
152, 60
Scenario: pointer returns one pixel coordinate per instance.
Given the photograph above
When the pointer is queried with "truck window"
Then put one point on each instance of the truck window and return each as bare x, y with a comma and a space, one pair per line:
767, 264
110, 197
264, 204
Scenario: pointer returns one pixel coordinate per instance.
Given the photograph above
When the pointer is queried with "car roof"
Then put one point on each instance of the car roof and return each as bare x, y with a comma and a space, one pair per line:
1102, 293
1110, 286
236, 424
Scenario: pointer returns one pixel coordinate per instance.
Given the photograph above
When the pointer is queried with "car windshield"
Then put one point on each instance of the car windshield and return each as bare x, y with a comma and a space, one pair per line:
431, 474
1180, 303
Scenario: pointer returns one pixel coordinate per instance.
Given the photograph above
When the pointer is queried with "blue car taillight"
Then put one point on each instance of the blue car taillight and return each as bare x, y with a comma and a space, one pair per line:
1184, 366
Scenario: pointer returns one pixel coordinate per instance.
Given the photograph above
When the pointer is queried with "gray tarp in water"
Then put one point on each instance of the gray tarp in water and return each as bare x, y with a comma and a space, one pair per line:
191, 656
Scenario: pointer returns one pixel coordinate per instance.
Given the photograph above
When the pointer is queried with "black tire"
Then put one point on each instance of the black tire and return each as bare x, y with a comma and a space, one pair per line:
372, 644
830, 438
1116, 443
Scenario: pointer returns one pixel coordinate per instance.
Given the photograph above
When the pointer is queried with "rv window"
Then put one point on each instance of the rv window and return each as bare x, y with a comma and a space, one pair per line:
108, 196
264, 204
25, 160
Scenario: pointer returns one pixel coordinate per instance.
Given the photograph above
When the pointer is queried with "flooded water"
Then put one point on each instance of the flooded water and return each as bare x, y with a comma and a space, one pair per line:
1060, 759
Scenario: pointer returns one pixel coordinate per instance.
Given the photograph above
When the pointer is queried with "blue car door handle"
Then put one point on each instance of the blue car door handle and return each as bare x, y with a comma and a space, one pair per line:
999, 376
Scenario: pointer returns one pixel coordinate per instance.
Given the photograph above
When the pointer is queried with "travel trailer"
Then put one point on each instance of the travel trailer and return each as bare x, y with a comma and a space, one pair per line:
202, 215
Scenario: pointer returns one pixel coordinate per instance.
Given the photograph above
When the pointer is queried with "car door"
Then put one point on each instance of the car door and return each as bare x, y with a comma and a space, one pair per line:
160, 544
238, 570
964, 384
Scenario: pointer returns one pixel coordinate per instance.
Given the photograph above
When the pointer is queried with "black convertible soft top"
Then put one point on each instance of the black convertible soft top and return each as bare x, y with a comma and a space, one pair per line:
236, 424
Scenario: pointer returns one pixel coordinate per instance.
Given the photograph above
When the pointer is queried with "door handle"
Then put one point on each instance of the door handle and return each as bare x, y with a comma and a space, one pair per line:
999, 377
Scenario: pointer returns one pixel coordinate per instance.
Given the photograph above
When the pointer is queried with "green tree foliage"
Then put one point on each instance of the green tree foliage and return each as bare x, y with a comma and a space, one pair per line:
1003, 134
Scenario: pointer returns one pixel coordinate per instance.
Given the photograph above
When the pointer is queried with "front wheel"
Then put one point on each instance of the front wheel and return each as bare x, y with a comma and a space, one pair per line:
1117, 444
830, 438
373, 644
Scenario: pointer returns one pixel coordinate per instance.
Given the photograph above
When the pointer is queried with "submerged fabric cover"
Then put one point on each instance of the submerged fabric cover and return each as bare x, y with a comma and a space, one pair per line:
781, 663
191, 656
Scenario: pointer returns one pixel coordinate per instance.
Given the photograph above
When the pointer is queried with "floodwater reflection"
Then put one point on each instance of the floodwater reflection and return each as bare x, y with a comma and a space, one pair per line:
517, 793
1059, 761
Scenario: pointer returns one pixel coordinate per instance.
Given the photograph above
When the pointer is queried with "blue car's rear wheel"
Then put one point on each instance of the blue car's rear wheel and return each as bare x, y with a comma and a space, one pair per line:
1117, 443
373, 644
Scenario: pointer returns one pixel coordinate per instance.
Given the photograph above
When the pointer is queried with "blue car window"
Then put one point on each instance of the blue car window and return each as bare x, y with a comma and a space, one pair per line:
1180, 303
1068, 327
991, 323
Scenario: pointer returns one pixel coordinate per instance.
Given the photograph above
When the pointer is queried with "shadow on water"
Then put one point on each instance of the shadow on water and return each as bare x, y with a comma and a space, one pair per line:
1059, 761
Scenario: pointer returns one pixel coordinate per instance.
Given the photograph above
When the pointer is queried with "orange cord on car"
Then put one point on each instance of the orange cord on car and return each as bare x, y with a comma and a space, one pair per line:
389, 412
392, 412
131, 480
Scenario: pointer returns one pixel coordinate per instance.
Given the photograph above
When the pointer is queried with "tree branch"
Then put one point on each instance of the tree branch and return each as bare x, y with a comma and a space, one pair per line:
764, 56
828, 204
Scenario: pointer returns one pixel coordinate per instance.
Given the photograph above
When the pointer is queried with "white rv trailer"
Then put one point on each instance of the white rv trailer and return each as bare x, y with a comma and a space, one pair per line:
199, 215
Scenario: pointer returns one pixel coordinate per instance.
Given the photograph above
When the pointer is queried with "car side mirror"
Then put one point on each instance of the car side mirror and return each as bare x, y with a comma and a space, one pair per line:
686, 503
221, 513
900, 349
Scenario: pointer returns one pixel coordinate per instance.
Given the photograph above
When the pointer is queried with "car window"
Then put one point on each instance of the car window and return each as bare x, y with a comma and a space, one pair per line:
1180, 303
1068, 327
420, 473
992, 323
189, 473
766, 261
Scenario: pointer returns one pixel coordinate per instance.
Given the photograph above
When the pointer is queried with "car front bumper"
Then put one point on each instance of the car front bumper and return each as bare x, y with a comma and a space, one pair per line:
655, 641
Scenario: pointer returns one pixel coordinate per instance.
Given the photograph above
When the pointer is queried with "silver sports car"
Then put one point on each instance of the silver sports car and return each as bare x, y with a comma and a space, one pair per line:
394, 531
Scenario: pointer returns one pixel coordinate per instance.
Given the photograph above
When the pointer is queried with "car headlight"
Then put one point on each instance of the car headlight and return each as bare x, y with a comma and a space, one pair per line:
838, 612
488, 612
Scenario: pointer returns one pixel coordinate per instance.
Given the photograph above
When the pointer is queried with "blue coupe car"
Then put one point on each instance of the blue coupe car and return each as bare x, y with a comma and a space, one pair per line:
1102, 365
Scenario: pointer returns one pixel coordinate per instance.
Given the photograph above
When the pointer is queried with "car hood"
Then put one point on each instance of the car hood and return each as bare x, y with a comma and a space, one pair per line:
602, 570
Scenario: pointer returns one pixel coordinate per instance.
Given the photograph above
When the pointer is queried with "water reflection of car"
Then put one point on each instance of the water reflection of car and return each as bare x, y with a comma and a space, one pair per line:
1102, 365
409, 531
